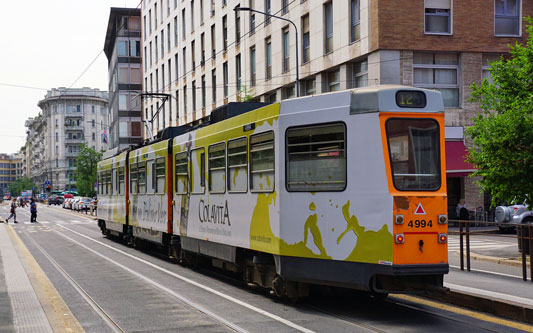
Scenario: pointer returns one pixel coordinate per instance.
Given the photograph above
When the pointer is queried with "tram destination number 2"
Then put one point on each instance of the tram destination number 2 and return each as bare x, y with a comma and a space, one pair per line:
420, 224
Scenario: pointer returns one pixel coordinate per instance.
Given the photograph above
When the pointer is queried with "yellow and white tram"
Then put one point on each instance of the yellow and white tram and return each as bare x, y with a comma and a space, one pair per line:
345, 188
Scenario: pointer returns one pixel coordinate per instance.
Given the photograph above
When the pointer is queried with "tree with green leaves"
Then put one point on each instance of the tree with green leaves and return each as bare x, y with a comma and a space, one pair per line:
86, 163
19, 185
502, 135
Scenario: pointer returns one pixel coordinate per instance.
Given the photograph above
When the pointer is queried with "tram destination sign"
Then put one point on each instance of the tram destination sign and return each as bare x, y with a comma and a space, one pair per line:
411, 99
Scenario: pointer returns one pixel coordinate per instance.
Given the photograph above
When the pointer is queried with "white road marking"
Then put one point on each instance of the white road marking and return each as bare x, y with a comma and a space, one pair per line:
494, 294
489, 272
194, 283
455, 245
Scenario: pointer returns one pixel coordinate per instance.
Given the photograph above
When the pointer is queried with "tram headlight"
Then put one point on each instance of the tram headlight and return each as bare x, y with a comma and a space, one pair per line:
398, 219
443, 219
443, 238
399, 238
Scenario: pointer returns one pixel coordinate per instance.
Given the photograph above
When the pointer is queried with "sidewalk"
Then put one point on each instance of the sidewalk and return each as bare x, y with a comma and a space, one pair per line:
33, 304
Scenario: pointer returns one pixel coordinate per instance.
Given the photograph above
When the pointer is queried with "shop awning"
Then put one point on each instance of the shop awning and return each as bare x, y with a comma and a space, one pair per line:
456, 166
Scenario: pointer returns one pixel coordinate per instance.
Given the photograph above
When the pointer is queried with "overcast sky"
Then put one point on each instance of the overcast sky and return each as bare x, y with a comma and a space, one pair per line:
48, 44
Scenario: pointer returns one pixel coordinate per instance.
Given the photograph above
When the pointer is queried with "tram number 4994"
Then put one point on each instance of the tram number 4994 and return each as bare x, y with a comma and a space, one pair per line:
420, 223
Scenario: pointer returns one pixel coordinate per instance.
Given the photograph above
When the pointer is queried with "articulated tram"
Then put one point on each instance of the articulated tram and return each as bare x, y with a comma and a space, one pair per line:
344, 189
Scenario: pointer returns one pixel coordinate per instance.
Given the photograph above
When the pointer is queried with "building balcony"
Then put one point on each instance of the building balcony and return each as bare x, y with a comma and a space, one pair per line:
72, 154
73, 127
78, 141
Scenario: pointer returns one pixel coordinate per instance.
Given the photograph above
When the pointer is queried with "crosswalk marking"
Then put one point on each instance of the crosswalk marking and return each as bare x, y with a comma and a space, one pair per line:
454, 245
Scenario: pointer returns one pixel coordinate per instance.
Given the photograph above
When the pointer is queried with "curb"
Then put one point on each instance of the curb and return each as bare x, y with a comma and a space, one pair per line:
509, 310
496, 260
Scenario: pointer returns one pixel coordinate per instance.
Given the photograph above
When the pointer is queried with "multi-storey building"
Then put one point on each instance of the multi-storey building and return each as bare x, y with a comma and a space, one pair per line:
123, 50
10, 170
206, 54
70, 118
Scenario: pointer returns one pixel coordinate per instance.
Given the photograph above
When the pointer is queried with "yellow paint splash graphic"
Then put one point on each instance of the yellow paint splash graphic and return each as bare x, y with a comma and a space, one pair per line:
371, 246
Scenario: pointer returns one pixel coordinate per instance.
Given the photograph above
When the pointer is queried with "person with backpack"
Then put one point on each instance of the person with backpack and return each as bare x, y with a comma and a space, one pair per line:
33, 211
12, 211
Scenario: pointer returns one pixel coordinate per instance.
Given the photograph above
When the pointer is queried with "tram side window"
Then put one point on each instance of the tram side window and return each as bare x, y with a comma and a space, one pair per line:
150, 180
182, 173
217, 168
121, 181
316, 158
160, 175
198, 171
133, 178
99, 180
238, 165
141, 171
262, 162
108, 182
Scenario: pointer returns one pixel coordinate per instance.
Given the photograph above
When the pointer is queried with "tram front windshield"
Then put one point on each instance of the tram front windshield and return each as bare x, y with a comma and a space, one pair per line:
414, 153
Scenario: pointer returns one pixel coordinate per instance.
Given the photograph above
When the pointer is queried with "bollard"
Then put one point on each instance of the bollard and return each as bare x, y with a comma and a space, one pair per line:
467, 246
461, 245
523, 242
531, 253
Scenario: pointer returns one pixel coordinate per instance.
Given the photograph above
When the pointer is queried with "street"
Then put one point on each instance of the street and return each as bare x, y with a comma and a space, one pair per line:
111, 287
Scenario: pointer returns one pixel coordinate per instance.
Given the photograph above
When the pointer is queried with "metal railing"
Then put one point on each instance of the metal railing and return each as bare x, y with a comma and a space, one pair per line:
524, 238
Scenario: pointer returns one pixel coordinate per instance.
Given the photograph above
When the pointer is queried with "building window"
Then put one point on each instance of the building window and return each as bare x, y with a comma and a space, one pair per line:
177, 107
162, 43
237, 25
360, 74
193, 96
355, 20
252, 66
268, 56
185, 99
252, 18
202, 49
203, 91
306, 41
284, 7
308, 87
156, 50
176, 66
145, 31
183, 25
287, 92
168, 37
163, 77
201, 11
175, 31
487, 59
193, 57
192, 15
145, 59
225, 77
438, 17
122, 48
150, 54
328, 24
238, 71
224, 32
268, 8
214, 85
507, 17
150, 20
286, 50
438, 71
184, 60
334, 80
213, 43
94, 137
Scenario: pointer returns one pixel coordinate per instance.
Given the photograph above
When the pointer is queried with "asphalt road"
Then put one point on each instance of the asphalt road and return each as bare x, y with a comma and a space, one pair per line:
110, 287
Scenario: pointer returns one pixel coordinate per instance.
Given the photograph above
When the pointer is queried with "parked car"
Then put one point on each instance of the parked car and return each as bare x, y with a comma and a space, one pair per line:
74, 203
56, 200
83, 204
513, 214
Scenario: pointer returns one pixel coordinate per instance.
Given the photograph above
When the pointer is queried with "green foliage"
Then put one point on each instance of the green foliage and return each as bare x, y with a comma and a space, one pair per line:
502, 134
86, 163
21, 184
245, 94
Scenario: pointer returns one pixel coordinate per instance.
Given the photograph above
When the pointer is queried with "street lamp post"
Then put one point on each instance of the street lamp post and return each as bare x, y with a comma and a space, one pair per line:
248, 9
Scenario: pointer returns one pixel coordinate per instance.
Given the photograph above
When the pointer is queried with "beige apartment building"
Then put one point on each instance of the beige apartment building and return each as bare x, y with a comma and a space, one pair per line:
205, 54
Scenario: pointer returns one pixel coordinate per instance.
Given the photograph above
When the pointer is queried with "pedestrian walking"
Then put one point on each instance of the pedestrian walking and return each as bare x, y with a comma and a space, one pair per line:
13, 210
33, 211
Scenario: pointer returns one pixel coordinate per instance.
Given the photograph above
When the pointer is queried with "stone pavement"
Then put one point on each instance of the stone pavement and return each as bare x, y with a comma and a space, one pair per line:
26, 292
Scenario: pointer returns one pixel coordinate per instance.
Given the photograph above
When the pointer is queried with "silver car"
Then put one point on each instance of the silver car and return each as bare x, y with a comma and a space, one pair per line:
514, 214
